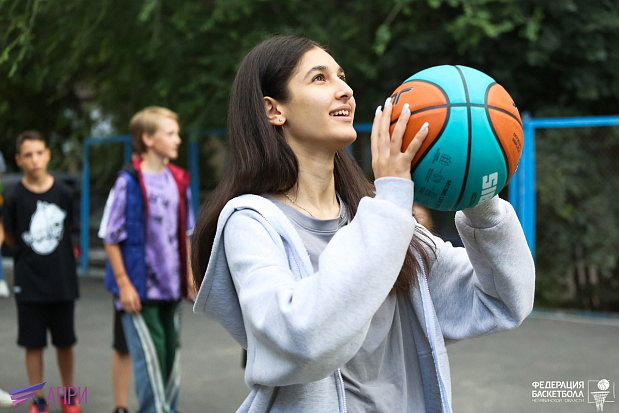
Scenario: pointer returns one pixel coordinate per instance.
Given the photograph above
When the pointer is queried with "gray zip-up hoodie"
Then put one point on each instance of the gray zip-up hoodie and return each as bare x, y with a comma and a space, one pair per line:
299, 326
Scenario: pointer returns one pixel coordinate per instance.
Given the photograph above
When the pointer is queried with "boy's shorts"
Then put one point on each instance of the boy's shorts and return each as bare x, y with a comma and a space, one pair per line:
34, 319
120, 343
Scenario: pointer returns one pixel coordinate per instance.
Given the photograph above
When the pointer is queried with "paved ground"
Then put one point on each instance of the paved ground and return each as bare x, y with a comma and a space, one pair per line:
490, 374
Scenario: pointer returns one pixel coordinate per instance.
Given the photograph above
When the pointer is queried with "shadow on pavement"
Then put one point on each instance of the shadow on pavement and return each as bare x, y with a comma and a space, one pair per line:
489, 374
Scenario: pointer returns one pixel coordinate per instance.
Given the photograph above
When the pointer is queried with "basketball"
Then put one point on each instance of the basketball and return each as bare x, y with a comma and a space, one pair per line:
474, 141
603, 384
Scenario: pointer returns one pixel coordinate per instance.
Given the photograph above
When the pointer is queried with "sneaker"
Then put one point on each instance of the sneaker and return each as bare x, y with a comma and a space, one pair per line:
5, 399
4, 289
38, 405
121, 410
70, 406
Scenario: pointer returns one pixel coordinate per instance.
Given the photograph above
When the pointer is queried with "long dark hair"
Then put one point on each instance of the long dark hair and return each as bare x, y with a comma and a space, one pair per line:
261, 161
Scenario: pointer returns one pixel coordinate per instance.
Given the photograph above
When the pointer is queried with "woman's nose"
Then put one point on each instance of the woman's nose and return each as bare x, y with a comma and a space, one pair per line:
344, 91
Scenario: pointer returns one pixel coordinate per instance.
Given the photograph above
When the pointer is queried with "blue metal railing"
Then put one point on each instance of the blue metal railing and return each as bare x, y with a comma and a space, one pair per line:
85, 193
522, 195
521, 188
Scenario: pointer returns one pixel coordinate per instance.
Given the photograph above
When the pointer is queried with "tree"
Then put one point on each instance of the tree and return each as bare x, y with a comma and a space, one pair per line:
61, 60
68, 66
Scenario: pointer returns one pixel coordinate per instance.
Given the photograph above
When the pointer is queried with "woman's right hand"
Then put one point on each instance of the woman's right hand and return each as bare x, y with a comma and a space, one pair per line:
387, 156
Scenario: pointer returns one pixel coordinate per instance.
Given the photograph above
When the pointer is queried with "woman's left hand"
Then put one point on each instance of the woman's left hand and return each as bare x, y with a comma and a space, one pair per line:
387, 156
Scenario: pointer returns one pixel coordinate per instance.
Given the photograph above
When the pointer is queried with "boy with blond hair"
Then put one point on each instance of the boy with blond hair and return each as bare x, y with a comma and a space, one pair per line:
37, 217
147, 246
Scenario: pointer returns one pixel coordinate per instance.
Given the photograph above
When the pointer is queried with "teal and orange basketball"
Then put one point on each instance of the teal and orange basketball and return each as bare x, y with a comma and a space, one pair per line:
475, 136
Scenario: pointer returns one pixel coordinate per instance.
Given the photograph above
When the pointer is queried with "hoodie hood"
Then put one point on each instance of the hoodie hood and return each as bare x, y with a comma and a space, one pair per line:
217, 297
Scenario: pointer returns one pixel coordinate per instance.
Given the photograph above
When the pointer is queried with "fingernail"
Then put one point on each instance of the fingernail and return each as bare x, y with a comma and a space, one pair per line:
388, 102
405, 108
378, 109
424, 127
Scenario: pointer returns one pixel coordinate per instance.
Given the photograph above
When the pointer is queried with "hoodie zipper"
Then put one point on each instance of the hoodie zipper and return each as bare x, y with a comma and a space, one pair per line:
430, 326
340, 380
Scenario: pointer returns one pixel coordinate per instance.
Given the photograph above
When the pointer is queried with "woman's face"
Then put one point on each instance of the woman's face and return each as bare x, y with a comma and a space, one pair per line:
319, 114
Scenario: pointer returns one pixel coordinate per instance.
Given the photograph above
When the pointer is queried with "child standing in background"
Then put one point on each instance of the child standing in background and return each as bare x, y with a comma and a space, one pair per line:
121, 360
147, 246
37, 216
5, 398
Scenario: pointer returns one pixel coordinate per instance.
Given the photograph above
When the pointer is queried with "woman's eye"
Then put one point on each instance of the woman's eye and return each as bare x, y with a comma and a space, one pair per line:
343, 77
319, 78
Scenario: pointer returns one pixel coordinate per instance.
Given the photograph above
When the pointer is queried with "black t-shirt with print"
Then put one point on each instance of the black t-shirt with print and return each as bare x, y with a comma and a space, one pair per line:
45, 268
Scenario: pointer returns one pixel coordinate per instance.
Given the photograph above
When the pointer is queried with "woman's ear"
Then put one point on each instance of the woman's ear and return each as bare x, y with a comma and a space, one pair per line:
273, 112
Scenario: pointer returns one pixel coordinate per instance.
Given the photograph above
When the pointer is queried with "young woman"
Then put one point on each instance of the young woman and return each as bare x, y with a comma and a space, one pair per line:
343, 302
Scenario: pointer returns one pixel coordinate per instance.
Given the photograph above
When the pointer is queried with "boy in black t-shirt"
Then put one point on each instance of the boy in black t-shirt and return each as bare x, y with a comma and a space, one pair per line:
37, 213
